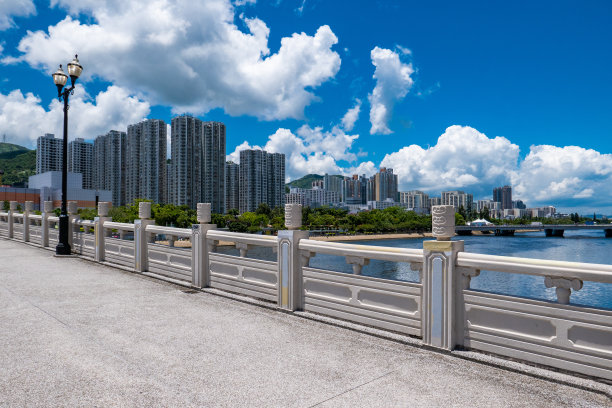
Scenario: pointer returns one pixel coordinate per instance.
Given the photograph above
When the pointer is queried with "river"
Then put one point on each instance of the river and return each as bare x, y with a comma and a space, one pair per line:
576, 246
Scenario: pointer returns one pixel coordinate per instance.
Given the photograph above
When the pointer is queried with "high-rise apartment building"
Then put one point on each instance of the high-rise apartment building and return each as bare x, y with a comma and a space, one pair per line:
503, 195
384, 185
232, 186
415, 199
80, 160
198, 163
48, 153
146, 170
458, 199
262, 179
110, 164
333, 183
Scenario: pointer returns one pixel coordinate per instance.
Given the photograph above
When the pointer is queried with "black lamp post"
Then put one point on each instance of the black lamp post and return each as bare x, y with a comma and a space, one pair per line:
60, 79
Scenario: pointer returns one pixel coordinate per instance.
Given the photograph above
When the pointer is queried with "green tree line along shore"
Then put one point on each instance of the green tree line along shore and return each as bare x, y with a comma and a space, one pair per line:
322, 220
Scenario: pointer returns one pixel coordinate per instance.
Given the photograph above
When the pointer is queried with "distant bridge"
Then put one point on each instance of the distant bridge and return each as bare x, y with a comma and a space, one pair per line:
549, 230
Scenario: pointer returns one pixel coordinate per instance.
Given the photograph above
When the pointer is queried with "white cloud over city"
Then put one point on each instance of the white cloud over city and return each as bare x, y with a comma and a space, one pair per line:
193, 56
393, 82
23, 118
463, 158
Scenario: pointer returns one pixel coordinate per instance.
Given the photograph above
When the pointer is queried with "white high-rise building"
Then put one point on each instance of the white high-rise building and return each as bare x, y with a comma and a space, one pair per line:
458, 199
198, 163
80, 160
146, 161
48, 153
262, 179
415, 199
110, 164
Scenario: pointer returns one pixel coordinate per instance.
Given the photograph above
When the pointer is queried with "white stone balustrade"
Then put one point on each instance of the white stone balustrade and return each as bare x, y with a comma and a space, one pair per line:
440, 308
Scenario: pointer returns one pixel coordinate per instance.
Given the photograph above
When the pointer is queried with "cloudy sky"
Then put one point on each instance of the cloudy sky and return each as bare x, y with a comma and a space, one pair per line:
451, 95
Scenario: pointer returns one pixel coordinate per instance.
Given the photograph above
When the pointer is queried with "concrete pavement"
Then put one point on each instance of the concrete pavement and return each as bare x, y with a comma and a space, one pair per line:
77, 333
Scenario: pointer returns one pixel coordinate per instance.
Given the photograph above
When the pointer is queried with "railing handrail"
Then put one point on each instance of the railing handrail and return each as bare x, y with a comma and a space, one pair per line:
539, 267
18, 215
85, 223
4, 214
179, 232
122, 226
53, 219
35, 217
258, 240
364, 251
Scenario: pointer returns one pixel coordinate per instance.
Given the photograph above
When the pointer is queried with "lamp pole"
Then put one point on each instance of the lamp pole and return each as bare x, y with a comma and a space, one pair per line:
60, 79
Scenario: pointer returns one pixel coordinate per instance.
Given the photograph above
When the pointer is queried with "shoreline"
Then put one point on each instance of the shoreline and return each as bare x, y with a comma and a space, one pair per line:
372, 237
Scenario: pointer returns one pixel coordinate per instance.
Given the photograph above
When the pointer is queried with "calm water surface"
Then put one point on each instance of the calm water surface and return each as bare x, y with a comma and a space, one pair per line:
576, 246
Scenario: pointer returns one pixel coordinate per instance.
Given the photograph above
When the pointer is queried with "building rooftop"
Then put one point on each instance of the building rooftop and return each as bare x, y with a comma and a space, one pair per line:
77, 333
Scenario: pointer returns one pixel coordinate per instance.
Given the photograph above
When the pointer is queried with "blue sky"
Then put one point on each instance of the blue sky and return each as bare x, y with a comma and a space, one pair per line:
452, 95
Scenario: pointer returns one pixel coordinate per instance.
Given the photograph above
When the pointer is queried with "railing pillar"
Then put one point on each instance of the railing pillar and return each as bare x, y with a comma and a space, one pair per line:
72, 217
11, 218
44, 223
290, 296
141, 241
103, 208
27, 208
200, 267
442, 303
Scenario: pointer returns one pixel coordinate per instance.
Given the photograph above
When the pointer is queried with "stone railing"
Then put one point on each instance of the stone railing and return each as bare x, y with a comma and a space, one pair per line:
439, 307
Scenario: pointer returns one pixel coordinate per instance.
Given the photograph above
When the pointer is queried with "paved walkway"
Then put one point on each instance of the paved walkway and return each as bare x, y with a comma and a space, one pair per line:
76, 333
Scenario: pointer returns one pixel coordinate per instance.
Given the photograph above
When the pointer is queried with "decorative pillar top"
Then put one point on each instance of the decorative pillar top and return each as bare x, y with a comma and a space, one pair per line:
13, 206
144, 210
443, 222
293, 216
103, 208
204, 216
72, 207
48, 206
29, 206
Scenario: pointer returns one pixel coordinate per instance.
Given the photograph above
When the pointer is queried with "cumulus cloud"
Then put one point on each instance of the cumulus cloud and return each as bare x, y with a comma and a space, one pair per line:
23, 119
462, 158
194, 56
14, 8
570, 175
308, 150
351, 116
393, 81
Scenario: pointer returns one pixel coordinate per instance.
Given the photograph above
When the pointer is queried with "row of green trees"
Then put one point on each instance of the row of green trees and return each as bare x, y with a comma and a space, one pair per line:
323, 219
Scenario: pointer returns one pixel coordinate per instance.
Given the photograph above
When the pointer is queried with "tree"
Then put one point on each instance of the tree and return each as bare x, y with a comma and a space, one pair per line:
263, 209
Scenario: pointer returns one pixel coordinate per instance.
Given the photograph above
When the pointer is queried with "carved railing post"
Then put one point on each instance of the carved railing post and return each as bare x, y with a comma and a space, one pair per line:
11, 218
72, 217
103, 208
28, 207
200, 267
44, 227
441, 282
290, 260
358, 262
563, 287
141, 239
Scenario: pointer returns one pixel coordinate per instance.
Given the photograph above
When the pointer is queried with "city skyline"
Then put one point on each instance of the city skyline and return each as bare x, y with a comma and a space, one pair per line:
442, 104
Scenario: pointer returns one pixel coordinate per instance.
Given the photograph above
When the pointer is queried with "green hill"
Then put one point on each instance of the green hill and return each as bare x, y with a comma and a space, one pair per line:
306, 181
18, 163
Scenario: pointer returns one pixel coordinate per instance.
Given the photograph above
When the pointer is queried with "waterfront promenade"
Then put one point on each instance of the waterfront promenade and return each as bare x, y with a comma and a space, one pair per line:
78, 333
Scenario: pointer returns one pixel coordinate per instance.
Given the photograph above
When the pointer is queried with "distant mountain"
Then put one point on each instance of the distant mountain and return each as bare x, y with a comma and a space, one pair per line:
306, 181
18, 163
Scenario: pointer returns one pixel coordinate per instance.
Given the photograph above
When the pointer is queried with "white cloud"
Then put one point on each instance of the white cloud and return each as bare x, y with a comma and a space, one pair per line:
308, 150
351, 116
570, 175
463, 158
23, 118
194, 56
14, 8
393, 82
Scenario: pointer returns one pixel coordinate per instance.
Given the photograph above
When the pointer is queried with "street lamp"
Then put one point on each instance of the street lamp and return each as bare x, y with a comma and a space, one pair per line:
60, 79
